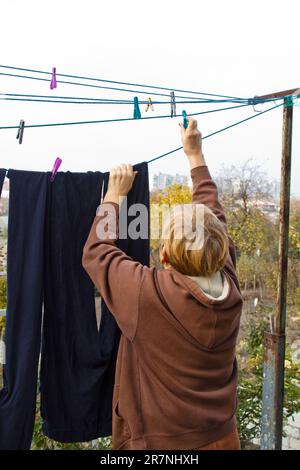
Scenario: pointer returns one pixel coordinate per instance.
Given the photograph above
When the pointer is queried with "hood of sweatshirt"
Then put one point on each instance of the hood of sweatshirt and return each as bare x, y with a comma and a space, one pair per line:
197, 313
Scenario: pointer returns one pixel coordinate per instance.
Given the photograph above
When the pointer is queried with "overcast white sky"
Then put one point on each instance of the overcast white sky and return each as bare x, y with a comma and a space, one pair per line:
239, 48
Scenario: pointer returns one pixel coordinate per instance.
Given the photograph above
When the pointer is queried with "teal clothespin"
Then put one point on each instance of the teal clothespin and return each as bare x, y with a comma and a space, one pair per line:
289, 102
136, 112
185, 121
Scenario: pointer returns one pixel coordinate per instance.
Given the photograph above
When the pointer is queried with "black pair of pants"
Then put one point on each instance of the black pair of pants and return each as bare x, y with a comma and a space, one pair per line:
48, 226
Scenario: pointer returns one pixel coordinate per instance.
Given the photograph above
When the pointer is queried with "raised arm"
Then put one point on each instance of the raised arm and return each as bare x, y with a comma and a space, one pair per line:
204, 188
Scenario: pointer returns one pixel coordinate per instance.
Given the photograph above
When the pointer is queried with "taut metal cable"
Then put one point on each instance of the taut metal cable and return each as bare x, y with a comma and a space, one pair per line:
117, 82
217, 132
119, 119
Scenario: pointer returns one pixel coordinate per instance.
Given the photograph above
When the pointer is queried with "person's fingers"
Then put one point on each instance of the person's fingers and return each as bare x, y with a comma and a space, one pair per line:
129, 169
118, 170
182, 130
112, 172
192, 122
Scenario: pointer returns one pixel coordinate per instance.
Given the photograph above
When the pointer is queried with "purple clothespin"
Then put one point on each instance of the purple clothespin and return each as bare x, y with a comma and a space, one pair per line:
21, 131
56, 166
53, 83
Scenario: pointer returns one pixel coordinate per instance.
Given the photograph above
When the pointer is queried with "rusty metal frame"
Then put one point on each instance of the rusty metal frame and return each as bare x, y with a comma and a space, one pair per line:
274, 341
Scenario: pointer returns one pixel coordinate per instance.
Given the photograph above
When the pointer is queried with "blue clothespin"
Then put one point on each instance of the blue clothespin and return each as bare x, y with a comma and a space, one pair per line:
21, 131
55, 168
136, 112
185, 121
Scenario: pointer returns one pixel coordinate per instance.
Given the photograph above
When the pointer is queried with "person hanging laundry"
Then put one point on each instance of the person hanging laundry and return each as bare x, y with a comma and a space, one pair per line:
50, 292
176, 374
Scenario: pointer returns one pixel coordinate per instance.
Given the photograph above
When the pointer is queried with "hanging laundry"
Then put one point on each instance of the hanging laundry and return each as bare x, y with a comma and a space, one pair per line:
27, 205
77, 360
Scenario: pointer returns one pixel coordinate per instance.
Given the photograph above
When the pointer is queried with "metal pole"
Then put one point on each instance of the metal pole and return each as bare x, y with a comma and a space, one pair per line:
274, 341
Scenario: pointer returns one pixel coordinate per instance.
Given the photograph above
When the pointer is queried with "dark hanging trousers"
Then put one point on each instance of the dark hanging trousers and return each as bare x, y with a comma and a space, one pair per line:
48, 227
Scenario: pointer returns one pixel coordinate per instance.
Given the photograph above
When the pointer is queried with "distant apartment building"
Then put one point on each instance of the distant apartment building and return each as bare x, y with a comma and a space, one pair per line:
162, 180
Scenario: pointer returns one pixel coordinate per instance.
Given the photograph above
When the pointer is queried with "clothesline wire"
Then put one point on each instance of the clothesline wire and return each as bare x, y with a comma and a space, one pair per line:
118, 82
213, 133
121, 119
74, 100
105, 87
71, 99
106, 101
217, 132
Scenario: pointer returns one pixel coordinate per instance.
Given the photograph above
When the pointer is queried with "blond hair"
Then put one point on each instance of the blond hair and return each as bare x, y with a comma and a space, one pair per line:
196, 246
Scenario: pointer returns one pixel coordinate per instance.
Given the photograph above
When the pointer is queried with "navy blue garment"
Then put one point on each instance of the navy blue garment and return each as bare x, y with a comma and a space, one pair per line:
27, 204
77, 360
72, 368
2, 176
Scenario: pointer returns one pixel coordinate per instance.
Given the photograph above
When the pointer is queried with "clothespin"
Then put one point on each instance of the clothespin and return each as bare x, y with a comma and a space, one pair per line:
185, 121
21, 131
53, 83
253, 102
149, 105
294, 98
289, 101
173, 104
136, 112
56, 166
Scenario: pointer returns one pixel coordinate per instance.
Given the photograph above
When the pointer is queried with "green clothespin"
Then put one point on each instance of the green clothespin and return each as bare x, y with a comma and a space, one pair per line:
185, 121
288, 101
136, 111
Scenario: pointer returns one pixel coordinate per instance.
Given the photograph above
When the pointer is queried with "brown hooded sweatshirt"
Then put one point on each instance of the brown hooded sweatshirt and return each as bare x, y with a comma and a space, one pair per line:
176, 371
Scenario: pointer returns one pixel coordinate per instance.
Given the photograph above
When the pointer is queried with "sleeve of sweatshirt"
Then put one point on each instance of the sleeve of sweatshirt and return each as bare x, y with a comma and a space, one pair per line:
205, 192
117, 277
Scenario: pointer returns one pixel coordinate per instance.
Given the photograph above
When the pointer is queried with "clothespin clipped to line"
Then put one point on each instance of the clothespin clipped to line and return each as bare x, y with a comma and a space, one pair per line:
173, 104
56, 166
21, 131
292, 99
53, 83
136, 111
149, 105
253, 101
185, 121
